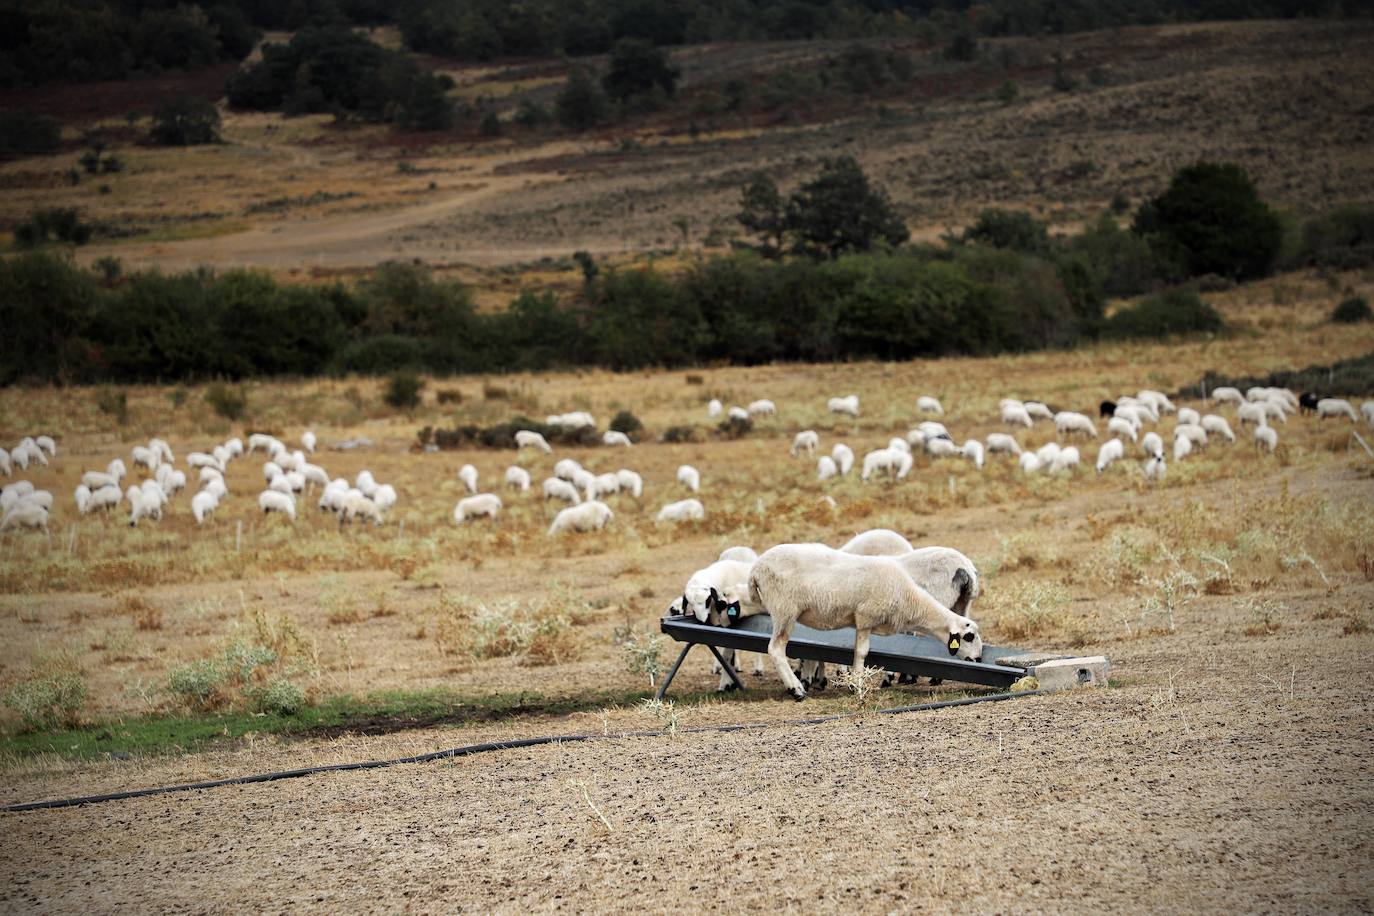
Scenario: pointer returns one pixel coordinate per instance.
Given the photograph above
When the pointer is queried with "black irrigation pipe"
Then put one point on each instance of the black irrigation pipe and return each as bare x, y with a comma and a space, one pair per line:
470, 749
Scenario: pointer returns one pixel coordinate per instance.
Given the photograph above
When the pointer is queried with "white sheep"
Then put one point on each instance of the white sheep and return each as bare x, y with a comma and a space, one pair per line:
314, 475
589, 516
713, 408
973, 451
1218, 426
6, 466
915, 438
740, 554
565, 468
1187, 415
1183, 447
1065, 459
927, 404
19, 455
901, 444
844, 457
1048, 452
684, 510
737, 413
826, 468
139, 507
889, 460
118, 471
1157, 400
689, 477
331, 500
630, 482
273, 501
11, 494
1228, 395
82, 495
483, 504
805, 441
202, 460
1136, 415
614, 437
357, 506
1001, 442
933, 430
385, 497
1266, 437
221, 454
1253, 412
1367, 411
517, 478
762, 408
216, 487
1111, 450
877, 542
308, 441
557, 488
47, 444
1038, 410
38, 498
603, 485
1152, 445
848, 405
1016, 415
1335, 407
25, 515
270, 470
107, 498
1192, 432
1030, 462
528, 438
1119, 426
233, 446
584, 480
1155, 468
468, 475
1068, 421
819, 587
723, 577
940, 447
145, 457
259, 441
280, 484
1275, 410
208, 474
162, 448
202, 504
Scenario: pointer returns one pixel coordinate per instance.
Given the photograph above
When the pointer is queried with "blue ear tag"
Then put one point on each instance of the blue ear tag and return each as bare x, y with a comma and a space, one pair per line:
732, 611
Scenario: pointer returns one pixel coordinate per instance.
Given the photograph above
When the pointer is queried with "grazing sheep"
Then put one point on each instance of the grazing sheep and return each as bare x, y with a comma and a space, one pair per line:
1157, 400
11, 494
47, 444
1038, 410
614, 437
816, 586
140, 507
566, 468
1068, 421
259, 441
1001, 442
38, 498
939, 447
528, 438
208, 474
1228, 395
877, 542
762, 408
683, 510
107, 497
280, 484
713, 408
557, 488
689, 477
25, 515
630, 482
1047, 452
1155, 468
216, 487
145, 457
826, 468
927, 404
517, 478
273, 501
589, 516
1152, 445
1111, 450
740, 554
701, 598
20, 457
1192, 432
1183, 447
314, 475
233, 446
934, 430
385, 497
202, 504
948, 575
1275, 410
1266, 437
357, 506
202, 460
1118, 426
82, 495
848, 405
483, 504
915, 438
221, 455
901, 444
584, 480
603, 485
308, 441
97, 479
331, 500
1065, 459
1136, 414
118, 471
1187, 416
890, 460
271, 470
1253, 412
973, 451
1367, 411
1218, 426
1335, 407
6, 467
737, 413
468, 475
1016, 415
807, 440
1030, 462
575, 420
844, 457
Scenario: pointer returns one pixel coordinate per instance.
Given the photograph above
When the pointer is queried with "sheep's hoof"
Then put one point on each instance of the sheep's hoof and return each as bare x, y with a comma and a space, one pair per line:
727, 688
823, 683
798, 694
806, 683
936, 681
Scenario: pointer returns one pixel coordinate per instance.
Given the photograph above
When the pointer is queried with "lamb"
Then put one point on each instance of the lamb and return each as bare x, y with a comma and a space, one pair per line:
25, 515
528, 438
1064, 460
1155, 468
1068, 421
915, 438
973, 451
1048, 452
826, 468
589, 516
154, 495
1335, 407
844, 457
259, 441
20, 456
566, 468
737, 413
807, 440
331, 500
468, 475
1111, 450
308, 441
1038, 410
689, 477
928, 404
556, 488
887, 459
1152, 445
1218, 426
145, 457
162, 448
1016, 415
848, 405
614, 437
1118, 426
385, 497
630, 482
209, 474
1183, 447
47, 444
817, 586
272, 501
202, 504
713, 408
1001, 442
1266, 437
762, 408
355, 506
1187, 415
683, 510
233, 446
517, 478
721, 577
877, 542
483, 504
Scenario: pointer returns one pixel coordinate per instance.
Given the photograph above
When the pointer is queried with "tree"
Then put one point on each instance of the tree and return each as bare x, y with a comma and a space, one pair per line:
1211, 220
764, 213
1009, 229
185, 120
581, 104
839, 211
637, 68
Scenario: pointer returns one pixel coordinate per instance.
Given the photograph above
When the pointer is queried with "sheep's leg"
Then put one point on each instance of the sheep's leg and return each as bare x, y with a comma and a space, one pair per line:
806, 672
860, 648
728, 679
777, 649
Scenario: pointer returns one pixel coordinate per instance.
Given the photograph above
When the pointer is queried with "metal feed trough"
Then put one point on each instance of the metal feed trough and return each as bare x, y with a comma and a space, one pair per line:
1001, 666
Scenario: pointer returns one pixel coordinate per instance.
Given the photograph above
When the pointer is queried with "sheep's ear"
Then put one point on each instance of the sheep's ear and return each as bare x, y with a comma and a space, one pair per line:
732, 610
953, 643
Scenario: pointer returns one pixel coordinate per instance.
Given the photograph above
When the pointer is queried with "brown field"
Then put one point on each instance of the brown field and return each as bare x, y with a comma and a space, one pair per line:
1227, 767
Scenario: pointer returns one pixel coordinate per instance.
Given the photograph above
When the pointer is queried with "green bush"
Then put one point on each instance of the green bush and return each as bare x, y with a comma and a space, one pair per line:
49, 695
185, 120
638, 68
201, 684
581, 104
1011, 229
1352, 311
61, 224
627, 423
229, 403
1174, 312
23, 134
1343, 238
277, 697
403, 390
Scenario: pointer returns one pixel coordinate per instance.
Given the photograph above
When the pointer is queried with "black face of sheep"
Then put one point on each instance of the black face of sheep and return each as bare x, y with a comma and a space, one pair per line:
1107, 409
721, 613
1307, 402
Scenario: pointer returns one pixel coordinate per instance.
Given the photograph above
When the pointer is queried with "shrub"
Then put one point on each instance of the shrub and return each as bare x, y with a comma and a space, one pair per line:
682, 434
492, 392
735, 427
185, 120
1177, 311
581, 104
627, 423
1343, 238
1009, 229
61, 224
532, 114
277, 697
221, 680
638, 68
448, 396
49, 695
229, 403
403, 390
23, 133
114, 403
201, 684
1007, 92
1352, 311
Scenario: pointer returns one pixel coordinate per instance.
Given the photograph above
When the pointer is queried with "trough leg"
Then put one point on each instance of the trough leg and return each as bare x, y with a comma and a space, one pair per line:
729, 668
672, 672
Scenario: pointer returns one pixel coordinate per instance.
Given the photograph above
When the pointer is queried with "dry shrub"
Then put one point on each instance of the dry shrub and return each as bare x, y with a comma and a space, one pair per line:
542, 634
145, 616
49, 693
1024, 550
1030, 609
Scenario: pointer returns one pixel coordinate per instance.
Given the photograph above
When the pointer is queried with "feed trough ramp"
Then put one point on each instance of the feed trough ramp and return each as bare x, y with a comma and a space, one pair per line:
914, 655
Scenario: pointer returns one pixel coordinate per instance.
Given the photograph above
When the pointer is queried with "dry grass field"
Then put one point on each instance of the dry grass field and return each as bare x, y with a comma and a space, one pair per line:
1225, 769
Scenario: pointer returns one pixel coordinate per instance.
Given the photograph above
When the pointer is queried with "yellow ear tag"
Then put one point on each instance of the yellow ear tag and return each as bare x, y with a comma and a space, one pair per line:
954, 643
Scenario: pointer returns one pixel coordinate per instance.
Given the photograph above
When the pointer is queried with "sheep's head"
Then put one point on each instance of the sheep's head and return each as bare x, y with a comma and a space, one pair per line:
679, 606
965, 640
720, 612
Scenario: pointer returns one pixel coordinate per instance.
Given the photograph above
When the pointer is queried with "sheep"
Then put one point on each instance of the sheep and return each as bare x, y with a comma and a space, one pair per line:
385, 497
689, 477
915, 438
221, 454
826, 468
468, 475
1367, 411
844, 457
1047, 452
1335, 407
1183, 447
938, 447
270, 470
331, 500
819, 587
887, 459
848, 405
528, 438
877, 542
272, 501
140, 508
308, 441
314, 475
202, 460
1192, 432
630, 482
589, 516
1157, 400
208, 474
1111, 450
118, 471
82, 495
355, 506
1030, 462
216, 487
153, 494
1118, 426
1016, 415
47, 444
259, 441
557, 488
737, 413
1135, 415
928, 404
762, 408
1155, 468
684, 510
1275, 410
933, 430
1106, 409
565, 468
13, 493
1218, 426
106, 497
145, 457
1038, 410
1001, 442
37, 497
1064, 460
97, 479
517, 478
603, 485
1252, 412
1068, 421
713, 408
584, 480
973, 451
1152, 445
280, 484
172, 481
614, 437
1187, 416
20, 456
6, 467
807, 440
202, 504
701, 598
901, 444
32, 452
233, 446
575, 420
742, 554
25, 515
1228, 395
1266, 437
483, 504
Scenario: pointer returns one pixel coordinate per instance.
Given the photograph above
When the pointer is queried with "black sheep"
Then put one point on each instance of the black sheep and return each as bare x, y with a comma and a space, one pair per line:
1107, 409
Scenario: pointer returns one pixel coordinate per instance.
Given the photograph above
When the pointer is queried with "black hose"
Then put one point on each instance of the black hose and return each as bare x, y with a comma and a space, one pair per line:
470, 749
